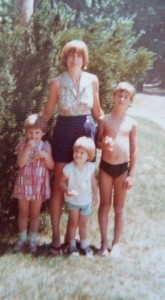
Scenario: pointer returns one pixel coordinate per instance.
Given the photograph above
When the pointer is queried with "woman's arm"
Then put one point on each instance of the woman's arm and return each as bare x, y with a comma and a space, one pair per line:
53, 94
97, 111
100, 135
63, 183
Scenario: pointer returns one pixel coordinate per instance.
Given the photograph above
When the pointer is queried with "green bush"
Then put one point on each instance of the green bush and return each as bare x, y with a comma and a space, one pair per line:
29, 58
113, 58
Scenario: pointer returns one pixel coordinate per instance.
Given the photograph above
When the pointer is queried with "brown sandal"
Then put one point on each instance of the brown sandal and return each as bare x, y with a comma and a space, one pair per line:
56, 251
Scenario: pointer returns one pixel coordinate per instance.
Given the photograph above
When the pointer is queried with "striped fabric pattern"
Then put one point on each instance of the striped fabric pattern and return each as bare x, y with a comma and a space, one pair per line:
32, 181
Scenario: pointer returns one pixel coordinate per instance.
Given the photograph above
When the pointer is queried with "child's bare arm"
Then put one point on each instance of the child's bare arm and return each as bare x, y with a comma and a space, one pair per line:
23, 155
64, 186
133, 153
94, 190
103, 141
47, 156
133, 150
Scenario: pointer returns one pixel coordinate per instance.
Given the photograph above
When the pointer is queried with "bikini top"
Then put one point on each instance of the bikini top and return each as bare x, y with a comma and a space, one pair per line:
71, 102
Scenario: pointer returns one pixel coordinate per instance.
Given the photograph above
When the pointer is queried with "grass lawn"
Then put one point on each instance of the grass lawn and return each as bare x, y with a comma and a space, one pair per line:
138, 274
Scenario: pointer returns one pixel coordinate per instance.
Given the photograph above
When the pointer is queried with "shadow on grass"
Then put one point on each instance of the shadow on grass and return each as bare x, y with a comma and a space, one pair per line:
42, 250
5, 248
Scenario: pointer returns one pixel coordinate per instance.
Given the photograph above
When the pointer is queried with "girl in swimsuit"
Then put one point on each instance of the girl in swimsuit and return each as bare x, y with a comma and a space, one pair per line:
116, 138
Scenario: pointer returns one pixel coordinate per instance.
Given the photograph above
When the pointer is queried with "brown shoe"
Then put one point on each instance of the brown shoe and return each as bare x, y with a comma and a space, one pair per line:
19, 245
32, 247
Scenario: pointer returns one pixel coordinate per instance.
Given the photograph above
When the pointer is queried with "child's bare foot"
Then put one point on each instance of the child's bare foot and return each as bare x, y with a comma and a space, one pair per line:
115, 252
103, 252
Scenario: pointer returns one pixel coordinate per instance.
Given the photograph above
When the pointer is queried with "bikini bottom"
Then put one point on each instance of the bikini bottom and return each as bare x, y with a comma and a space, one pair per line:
113, 170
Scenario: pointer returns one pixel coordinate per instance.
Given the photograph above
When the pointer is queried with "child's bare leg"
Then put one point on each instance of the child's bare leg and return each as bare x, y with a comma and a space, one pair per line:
34, 219
34, 215
83, 221
23, 215
105, 186
73, 224
84, 246
22, 225
119, 202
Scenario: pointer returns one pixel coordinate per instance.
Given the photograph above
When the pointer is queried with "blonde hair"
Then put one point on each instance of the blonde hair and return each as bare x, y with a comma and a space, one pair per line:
126, 87
86, 144
35, 121
75, 46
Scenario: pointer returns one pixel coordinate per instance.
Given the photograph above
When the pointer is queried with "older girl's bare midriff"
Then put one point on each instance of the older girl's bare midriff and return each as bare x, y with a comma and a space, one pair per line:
119, 151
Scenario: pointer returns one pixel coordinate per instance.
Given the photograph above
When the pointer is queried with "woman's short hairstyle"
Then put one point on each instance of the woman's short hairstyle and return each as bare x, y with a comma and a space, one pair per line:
75, 46
35, 121
126, 87
86, 144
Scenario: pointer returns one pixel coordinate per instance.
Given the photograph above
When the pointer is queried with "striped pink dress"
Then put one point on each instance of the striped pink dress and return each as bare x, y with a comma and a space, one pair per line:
32, 181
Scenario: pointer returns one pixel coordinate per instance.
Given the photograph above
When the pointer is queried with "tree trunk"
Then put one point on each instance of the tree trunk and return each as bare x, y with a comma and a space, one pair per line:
24, 9
27, 10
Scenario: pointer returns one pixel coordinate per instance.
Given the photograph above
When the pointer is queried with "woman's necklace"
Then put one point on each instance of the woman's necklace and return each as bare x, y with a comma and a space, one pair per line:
76, 84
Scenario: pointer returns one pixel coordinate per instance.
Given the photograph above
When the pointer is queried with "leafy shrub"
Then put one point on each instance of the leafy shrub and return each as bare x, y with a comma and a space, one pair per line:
29, 57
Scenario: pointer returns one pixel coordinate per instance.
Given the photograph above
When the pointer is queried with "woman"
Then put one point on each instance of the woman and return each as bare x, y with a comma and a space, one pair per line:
76, 93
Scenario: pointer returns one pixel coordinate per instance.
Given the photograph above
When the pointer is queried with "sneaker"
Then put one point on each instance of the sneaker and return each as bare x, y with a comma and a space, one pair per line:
86, 251
72, 250
32, 247
115, 252
19, 245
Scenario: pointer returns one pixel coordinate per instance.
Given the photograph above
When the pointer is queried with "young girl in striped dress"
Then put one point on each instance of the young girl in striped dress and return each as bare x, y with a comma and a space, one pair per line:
32, 182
